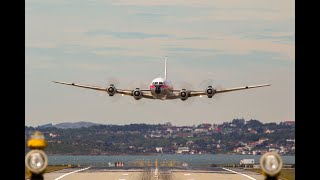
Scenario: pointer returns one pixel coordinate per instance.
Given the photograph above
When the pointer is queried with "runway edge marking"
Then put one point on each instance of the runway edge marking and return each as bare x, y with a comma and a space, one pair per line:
72, 173
239, 173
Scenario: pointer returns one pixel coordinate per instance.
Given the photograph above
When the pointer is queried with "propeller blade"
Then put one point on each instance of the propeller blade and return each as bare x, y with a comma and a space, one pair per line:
114, 98
113, 80
137, 84
187, 86
203, 85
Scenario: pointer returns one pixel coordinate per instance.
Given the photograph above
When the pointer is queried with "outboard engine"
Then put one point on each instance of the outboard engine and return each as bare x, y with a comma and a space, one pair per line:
183, 95
111, 90
137, 94
210, 91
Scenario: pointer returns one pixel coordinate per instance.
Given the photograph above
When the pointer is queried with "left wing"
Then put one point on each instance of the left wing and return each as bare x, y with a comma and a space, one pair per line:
145, 93
82, 86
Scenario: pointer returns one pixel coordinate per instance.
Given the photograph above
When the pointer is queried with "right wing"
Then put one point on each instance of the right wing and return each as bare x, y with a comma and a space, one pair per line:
146, 93
240, 88
193, 93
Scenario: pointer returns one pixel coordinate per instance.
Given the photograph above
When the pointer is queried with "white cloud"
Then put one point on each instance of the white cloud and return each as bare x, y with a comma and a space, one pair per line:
41, 45
155, 46
227, 10
39, 62
163, 2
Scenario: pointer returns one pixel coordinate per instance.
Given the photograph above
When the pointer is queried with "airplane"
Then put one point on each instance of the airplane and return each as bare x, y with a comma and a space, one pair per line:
162, 89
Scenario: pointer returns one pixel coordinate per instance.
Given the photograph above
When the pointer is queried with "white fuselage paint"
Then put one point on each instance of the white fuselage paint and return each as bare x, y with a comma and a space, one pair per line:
161, 88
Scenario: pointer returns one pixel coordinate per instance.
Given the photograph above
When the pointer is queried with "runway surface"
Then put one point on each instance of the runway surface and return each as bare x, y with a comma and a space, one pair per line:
100, 173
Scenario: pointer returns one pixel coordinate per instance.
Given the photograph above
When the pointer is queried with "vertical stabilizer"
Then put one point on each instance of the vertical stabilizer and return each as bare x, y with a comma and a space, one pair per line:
165, 68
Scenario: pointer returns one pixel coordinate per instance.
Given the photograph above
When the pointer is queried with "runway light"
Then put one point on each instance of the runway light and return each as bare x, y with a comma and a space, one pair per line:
200, 95
271, 164
36, 161
37, 141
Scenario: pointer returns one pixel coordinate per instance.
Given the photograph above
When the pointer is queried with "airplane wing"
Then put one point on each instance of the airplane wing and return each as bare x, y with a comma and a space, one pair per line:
240, 88
146, 92
202, 93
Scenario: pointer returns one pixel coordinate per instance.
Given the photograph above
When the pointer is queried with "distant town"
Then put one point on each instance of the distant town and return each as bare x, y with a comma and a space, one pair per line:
239, 136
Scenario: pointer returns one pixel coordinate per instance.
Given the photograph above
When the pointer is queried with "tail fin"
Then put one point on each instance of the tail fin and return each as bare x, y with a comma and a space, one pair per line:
165, 68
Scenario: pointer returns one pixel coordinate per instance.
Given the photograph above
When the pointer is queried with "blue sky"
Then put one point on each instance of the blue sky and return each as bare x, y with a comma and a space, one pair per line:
234, 43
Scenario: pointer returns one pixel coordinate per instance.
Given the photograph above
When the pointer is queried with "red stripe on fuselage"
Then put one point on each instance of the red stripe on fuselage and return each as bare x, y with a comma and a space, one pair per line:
163, 86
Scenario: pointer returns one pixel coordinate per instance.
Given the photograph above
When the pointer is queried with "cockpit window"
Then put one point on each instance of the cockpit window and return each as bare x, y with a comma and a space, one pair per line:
155, 82
160, 82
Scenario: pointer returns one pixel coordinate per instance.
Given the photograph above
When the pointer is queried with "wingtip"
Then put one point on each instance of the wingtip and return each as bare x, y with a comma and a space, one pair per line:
58, 82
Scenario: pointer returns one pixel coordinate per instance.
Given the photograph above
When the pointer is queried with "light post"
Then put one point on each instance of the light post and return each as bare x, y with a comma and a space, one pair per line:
36, 159
271, 165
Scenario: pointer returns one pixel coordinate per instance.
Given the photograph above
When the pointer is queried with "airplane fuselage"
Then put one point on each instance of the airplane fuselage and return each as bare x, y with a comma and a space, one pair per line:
161, 88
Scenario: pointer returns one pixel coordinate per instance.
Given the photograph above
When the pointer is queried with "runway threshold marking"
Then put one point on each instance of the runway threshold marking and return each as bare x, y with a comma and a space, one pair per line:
239, 173
72, 173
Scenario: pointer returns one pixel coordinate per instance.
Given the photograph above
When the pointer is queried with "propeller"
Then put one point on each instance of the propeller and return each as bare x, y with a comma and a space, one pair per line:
203, 85
187, 86
137, 84
114, 98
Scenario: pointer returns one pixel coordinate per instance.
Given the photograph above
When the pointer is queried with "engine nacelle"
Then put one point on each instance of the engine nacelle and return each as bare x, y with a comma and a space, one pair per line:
184, 95
137, 94
111, 90
210, 91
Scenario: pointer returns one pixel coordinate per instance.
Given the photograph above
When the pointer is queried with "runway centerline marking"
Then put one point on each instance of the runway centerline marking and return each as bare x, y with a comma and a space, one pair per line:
72, 173
239, 173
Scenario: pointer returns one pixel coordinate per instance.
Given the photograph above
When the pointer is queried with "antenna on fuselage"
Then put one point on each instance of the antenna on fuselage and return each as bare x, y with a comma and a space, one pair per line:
165, 68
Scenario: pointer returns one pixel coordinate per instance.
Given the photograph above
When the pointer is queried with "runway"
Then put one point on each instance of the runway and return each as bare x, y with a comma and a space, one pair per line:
143, 174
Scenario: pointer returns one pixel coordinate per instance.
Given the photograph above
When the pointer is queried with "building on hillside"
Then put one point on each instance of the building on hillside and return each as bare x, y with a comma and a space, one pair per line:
206, 126
289, 123
182, 150
159, 149
268, 131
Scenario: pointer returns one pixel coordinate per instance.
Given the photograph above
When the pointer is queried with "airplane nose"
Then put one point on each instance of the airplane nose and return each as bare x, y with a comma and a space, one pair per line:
158, 90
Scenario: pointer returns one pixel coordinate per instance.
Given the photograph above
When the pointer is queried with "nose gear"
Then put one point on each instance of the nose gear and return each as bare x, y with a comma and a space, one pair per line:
158, 89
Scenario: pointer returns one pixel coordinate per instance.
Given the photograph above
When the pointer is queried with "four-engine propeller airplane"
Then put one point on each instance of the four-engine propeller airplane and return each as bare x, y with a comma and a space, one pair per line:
162, 88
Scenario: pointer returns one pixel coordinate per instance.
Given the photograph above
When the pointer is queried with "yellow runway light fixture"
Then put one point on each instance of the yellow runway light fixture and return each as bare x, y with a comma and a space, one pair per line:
37, 141
271, 164
36, 160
